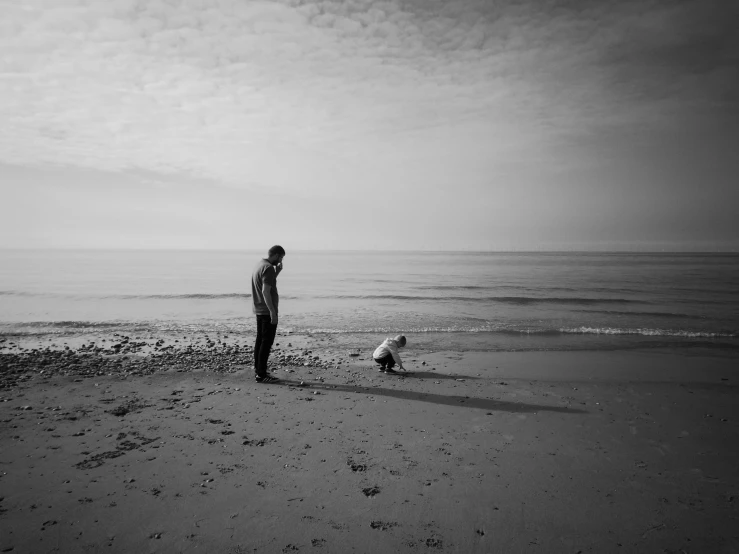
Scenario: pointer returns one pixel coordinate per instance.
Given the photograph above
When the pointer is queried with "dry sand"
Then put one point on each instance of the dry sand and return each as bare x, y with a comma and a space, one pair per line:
471, 452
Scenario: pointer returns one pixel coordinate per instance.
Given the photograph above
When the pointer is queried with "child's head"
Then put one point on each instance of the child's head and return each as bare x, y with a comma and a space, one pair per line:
400, 339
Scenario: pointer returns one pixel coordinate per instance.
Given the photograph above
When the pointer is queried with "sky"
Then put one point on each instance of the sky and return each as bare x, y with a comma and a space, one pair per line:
361, 124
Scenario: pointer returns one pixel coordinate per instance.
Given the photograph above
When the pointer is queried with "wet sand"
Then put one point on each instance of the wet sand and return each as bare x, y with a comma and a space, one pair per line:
469, 452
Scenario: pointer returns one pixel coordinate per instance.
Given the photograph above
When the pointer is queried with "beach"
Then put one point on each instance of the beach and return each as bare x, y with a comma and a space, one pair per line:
154, 447
536, 202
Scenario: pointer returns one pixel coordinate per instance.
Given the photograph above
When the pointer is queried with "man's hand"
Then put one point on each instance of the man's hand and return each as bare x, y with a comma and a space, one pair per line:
273, 316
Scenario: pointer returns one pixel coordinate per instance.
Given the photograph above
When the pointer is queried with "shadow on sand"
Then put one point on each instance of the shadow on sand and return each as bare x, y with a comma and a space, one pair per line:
434, 375
454, 400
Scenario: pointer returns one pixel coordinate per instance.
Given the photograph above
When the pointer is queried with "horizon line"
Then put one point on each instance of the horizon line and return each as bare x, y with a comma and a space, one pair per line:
369, 250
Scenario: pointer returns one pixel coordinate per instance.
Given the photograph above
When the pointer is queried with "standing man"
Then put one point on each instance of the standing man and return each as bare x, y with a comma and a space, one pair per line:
265, 299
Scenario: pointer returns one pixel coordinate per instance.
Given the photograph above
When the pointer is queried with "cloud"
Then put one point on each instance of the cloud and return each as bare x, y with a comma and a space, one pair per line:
284, 93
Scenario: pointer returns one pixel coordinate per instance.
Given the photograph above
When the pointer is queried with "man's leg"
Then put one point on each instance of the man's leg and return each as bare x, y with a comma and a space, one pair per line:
268, 338
258, 344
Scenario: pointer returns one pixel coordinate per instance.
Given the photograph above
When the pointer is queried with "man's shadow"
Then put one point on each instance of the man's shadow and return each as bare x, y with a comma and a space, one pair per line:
451, 400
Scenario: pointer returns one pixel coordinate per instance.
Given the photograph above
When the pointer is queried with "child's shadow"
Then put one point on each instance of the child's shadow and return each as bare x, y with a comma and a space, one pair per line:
434, 375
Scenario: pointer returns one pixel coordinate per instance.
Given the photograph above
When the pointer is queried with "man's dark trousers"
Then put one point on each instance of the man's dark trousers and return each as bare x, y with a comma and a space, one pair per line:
265, 338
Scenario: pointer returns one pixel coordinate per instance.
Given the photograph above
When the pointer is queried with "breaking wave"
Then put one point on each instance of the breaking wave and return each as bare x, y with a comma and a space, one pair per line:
519, 300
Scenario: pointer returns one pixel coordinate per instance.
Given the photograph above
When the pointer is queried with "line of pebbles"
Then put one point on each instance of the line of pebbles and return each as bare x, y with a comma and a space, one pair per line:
132, 357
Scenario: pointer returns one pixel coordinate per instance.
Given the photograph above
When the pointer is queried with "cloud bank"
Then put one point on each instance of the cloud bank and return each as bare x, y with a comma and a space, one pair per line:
231, 89
341, 97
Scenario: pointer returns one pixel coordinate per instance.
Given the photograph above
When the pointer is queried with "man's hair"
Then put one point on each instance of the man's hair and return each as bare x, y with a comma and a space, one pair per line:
276, 249
400, 340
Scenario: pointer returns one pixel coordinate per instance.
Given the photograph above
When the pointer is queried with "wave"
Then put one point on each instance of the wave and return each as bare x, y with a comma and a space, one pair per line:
517, 300
523, 332
241, 325
463, 287
72, 324
195, 296
520, 300
648, 332
184, 296
648, 314
544, 289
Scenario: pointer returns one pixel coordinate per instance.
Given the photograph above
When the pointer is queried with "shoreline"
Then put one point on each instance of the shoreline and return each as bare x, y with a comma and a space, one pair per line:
469, 452
120, 354
352, 341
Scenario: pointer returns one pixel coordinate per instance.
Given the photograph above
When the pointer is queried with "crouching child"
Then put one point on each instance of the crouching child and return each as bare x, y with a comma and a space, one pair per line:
387, 354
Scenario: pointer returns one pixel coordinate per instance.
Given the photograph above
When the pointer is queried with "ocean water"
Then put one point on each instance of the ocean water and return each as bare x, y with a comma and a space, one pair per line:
440, 300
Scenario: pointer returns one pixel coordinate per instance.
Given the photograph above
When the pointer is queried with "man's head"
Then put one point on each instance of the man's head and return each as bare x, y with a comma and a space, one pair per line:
400, 339
276, 253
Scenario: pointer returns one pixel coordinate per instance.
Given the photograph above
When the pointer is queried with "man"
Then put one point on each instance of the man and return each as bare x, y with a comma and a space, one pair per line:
264, 305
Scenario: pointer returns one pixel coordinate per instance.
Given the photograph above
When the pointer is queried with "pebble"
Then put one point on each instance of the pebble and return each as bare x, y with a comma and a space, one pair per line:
130, 357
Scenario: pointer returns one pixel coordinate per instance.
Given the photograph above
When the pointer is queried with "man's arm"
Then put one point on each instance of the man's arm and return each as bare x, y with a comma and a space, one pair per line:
267, 293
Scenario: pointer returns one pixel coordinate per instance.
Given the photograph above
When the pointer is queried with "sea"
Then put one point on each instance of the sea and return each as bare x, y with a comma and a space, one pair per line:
460, 301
